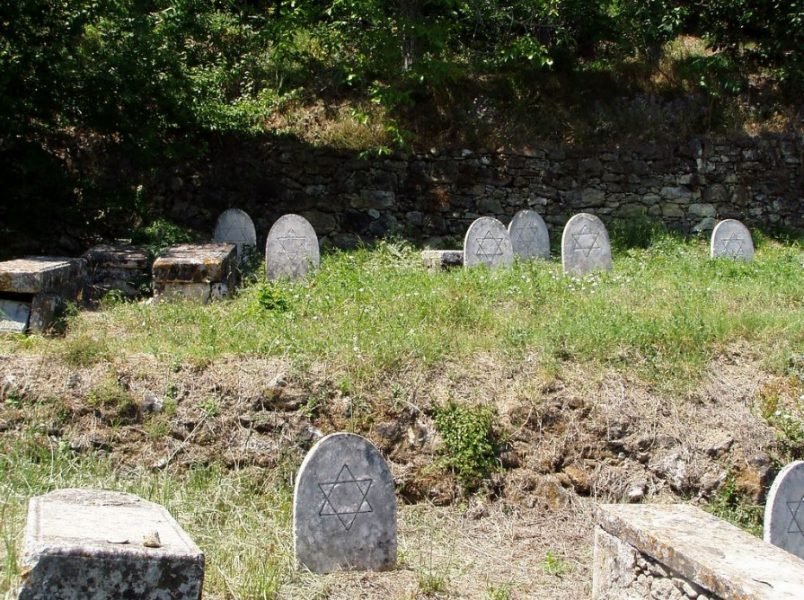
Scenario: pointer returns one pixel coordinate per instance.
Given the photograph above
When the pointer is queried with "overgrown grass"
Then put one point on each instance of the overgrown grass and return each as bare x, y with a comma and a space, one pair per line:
663, 313
240, 518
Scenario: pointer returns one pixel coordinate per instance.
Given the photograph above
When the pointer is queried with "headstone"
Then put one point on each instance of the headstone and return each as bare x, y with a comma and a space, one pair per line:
585, 245
198, 272
234, 226
731, 239
344, 507
784, 510
82, 543
529, 236
487, 243
291, 250
14, 316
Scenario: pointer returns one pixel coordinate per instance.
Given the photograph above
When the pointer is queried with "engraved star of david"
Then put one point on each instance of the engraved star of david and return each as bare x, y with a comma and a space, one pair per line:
489, 246
345, 497
291, 243
796, 524
590, 242
526, 236
731, 241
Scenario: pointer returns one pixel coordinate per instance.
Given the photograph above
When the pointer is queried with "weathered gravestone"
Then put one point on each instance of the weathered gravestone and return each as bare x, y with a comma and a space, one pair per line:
234, 226
344, 507
731, 239
83, 544
121, 268
529, 236
784, 510
199, 272
33, 290
487, 243
291, 250
585, 245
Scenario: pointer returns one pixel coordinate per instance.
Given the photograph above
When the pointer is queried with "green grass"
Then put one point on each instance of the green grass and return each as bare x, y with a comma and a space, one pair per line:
663, 313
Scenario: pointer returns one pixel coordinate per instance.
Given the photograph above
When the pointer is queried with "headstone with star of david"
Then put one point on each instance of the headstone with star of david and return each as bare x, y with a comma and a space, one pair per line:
529, 236
731, 239
487, 243
784, 510
344, 508
234, 226
291, 250
585, 245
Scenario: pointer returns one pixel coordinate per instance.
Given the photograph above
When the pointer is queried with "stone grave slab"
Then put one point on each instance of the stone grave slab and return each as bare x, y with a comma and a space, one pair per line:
784, 510
437, 260
344, 507
44, 284
234, 226
487, 243
35, 274
120, 267
82, 544
195, 271
14, 316
529, 236
585, 245
291, 250
731, 239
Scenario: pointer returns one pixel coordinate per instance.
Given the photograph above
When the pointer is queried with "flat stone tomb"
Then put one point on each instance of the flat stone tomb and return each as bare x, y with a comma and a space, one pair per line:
487, 243
83, 543
117, 267
344, 508
199, 272
291, 250
784, 510
35, 288
529, 236
234, 226
731, 239
680, 551
585, 245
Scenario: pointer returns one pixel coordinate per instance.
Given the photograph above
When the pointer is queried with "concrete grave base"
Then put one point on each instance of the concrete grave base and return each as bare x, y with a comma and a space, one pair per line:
121, 268
198, 272
442, 259
96, 545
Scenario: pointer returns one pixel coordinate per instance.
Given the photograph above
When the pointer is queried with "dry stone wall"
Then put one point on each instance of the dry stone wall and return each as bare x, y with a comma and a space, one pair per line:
434, 196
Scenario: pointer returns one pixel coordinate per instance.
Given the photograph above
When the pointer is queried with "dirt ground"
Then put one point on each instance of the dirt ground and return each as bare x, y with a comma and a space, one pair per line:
566, 443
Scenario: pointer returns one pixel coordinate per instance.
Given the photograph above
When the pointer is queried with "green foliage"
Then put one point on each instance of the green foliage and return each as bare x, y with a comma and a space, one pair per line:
554, 565
731, 505
271, 296
160, 234
469, 441
113, 400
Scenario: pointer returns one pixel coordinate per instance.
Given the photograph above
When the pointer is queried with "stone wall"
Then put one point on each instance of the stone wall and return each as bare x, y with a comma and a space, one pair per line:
433, 197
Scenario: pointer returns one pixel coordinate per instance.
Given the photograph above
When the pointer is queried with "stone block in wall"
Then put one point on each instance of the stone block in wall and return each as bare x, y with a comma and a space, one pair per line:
322, 222
378, 199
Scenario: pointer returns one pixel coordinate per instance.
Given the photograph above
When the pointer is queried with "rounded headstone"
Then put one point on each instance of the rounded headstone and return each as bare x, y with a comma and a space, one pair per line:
784, 510
731, 239
344, 507
585, 245
234, 226
291, 249
529, 236
487, 243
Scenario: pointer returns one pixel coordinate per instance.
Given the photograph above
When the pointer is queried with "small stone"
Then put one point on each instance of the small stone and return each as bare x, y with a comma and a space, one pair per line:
637, 492
151, 403
151, 540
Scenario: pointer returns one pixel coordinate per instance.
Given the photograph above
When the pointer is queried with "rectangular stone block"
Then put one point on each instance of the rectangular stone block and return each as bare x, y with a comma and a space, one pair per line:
696, 547
196, 263
92, 544
35, 274
442, 259
125, 269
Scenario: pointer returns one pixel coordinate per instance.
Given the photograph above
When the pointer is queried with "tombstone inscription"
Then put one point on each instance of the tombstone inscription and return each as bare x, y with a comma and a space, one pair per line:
234, 226
487, 243
784, 510
731, 239
291, 250
344, 507
529, 236
585, 245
